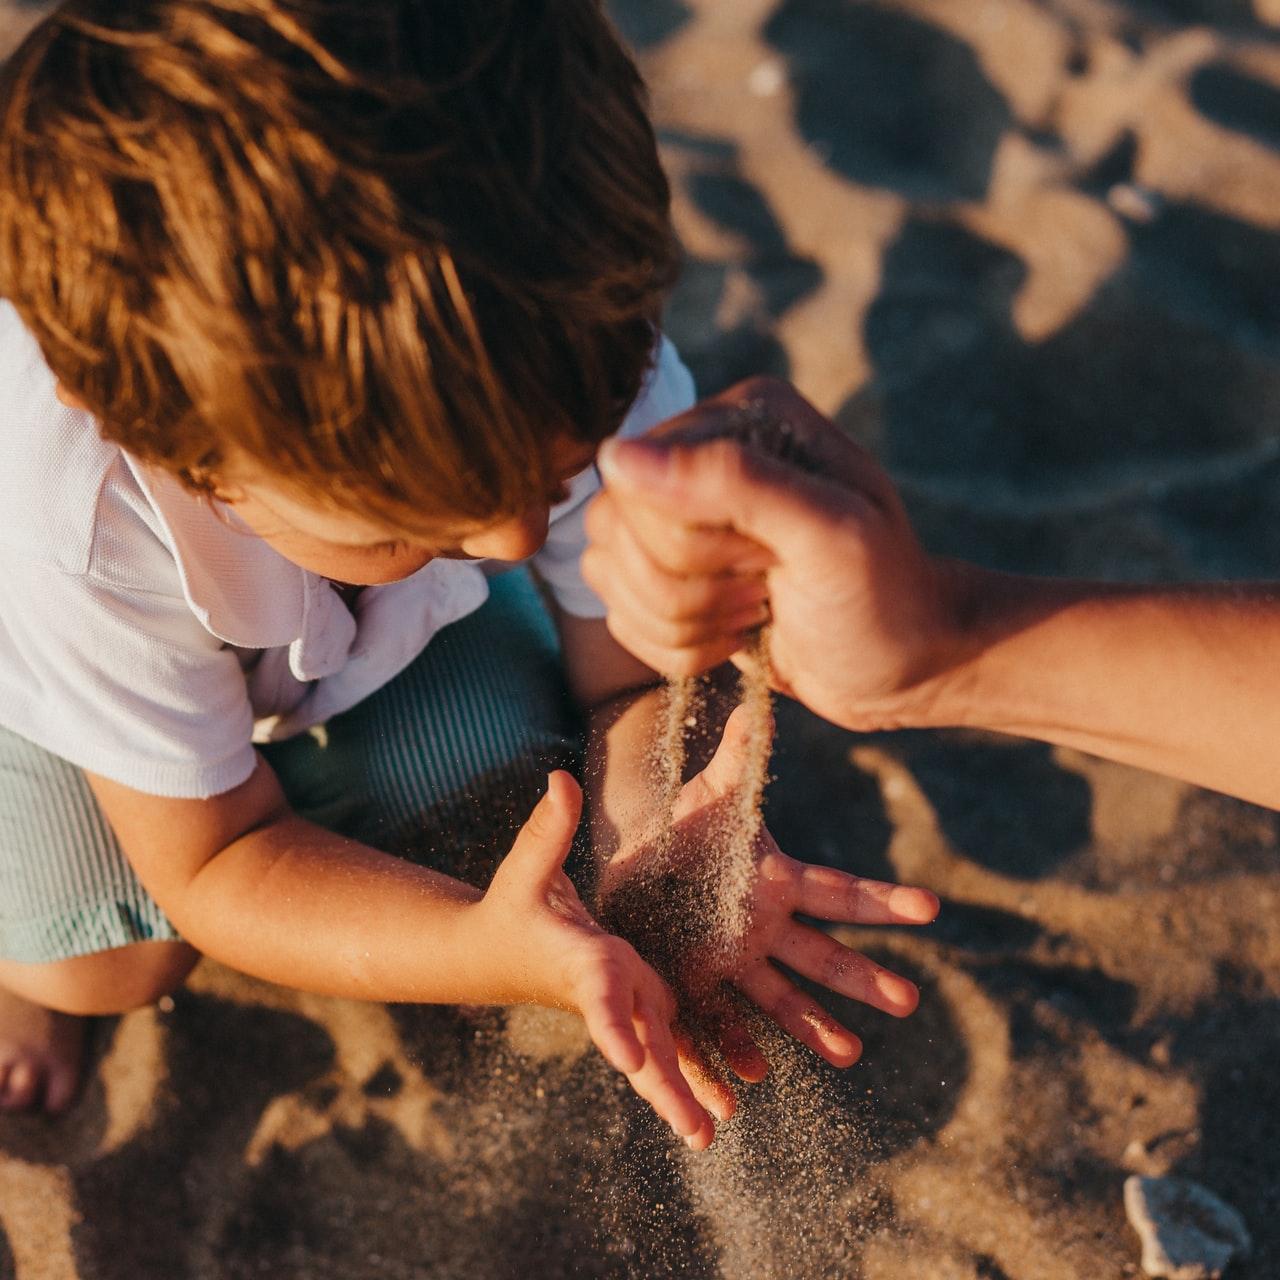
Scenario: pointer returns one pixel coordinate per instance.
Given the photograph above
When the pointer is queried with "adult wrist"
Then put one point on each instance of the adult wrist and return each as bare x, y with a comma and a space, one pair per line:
938, 692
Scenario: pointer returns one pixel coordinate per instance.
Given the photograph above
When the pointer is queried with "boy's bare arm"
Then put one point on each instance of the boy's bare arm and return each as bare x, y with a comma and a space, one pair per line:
247, 881
251, 884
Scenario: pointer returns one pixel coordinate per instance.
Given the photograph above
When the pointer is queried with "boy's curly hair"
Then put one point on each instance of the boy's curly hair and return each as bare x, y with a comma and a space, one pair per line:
385, 249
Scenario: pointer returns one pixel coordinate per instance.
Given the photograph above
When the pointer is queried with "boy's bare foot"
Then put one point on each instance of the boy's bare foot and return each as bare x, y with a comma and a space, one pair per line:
41, 1054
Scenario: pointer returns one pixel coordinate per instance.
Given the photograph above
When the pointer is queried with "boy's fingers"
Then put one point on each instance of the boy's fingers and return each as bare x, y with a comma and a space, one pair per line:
828, 894
709, 1087
822, 959
741, 1052
60, 1090
726, 769
659, 1081
608, 1010
799, 1014
21, 1086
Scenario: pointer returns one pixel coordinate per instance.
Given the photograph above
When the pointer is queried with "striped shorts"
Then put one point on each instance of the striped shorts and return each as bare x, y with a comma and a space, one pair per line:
441, 765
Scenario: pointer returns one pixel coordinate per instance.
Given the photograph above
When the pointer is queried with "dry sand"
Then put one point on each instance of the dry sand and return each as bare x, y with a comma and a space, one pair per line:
1030, 251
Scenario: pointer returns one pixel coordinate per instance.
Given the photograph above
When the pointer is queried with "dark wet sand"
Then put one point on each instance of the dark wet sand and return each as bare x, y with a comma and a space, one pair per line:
1028, 250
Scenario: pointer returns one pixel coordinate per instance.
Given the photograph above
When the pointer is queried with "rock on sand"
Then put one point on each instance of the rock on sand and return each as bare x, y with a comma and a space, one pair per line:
1187, 1232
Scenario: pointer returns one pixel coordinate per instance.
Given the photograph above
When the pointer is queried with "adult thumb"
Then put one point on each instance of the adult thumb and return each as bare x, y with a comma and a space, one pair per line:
723, 483
544, 841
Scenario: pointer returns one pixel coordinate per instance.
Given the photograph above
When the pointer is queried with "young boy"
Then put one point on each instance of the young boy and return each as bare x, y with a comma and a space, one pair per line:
317, 313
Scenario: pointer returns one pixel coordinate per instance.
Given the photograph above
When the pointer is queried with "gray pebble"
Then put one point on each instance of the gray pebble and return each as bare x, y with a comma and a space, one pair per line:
1187, 1232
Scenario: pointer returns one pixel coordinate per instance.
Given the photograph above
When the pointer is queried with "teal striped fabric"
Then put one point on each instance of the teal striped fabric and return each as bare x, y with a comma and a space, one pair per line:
441, 764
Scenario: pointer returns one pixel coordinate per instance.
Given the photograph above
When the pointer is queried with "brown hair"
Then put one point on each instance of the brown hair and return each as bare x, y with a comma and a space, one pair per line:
384, 248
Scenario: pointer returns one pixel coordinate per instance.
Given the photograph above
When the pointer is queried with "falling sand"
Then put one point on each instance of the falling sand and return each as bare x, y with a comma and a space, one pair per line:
783, 1189
688, 909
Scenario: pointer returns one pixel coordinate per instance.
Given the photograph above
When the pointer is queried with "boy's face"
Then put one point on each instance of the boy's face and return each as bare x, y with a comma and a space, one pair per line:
349, 549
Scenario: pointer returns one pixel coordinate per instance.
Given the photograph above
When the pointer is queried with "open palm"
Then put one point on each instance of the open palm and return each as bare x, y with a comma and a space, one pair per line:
709, 928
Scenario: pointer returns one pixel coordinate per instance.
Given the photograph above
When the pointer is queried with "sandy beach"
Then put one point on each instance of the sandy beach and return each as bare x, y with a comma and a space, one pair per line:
1028, 251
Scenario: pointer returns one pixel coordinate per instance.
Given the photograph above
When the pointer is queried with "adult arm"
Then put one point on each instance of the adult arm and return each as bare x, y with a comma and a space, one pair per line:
872, 632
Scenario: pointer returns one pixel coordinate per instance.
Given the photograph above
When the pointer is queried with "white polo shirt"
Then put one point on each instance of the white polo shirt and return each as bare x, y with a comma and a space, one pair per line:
152, 639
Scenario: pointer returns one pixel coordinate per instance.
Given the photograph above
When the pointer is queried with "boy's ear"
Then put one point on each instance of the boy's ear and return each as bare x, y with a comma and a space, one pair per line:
72, 402
206, 482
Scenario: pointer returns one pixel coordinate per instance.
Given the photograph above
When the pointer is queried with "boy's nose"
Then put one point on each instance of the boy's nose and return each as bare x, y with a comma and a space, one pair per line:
514, 539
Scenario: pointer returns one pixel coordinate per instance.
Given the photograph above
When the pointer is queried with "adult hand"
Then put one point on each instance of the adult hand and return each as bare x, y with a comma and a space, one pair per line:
698, 538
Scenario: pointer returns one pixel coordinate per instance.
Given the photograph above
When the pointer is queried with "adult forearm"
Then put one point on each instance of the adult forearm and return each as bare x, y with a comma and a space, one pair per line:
1178, 680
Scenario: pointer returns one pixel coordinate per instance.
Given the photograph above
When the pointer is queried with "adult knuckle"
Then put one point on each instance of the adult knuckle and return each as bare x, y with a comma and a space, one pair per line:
727, 460
680, 544
693, 602
677, 634
683, 663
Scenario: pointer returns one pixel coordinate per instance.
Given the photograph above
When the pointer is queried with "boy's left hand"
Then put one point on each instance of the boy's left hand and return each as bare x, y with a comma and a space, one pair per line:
781, 888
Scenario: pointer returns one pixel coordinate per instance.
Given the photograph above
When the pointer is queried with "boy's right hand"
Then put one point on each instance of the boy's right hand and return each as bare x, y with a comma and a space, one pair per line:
544, 947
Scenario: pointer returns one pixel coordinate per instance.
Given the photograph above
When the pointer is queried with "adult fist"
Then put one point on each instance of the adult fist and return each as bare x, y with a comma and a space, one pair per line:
750, 507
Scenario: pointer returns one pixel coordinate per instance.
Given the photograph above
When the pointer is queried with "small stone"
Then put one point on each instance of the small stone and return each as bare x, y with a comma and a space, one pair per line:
1137, 204
1187, 1232
767, 78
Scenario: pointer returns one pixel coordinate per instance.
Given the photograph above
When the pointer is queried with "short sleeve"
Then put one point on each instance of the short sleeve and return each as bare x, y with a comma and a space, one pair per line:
102, 660
122, 682
667, 391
